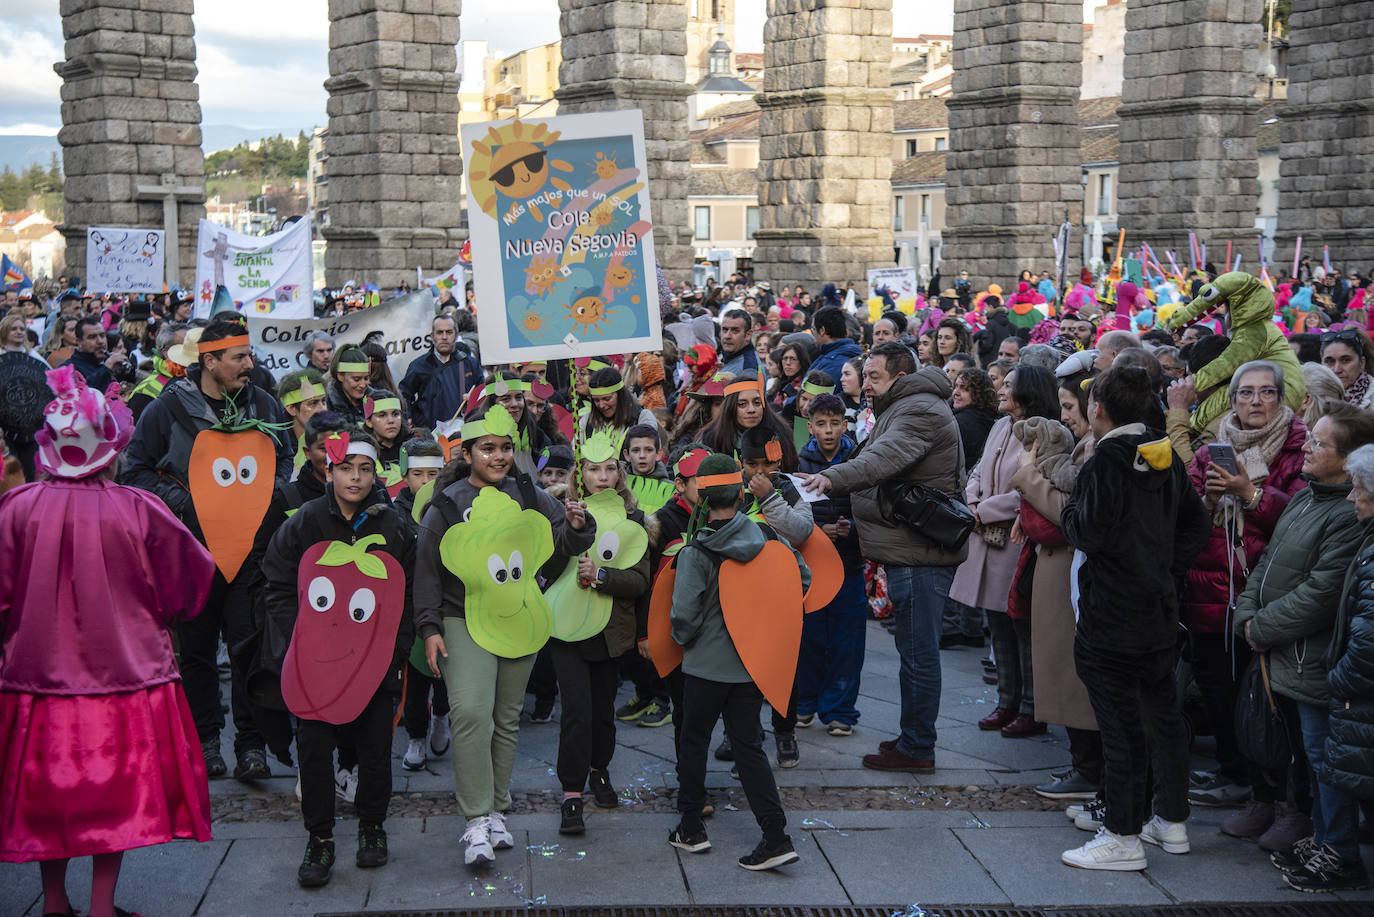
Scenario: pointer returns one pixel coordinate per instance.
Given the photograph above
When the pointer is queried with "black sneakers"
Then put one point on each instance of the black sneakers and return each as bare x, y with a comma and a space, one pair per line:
251, 764
1326, 871
770, 857
602, 791
318, 861
788, 753
633, 708
572, 822
214, 761
725, 751
692, 842
372, 850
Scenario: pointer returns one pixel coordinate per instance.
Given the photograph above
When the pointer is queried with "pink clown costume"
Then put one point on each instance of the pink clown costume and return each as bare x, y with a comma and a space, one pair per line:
98, 751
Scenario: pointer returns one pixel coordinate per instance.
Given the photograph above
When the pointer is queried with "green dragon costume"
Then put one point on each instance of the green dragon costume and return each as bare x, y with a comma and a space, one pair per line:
1254, 336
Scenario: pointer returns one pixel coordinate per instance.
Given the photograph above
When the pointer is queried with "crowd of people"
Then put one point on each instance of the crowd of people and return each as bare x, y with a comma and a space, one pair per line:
1158, 512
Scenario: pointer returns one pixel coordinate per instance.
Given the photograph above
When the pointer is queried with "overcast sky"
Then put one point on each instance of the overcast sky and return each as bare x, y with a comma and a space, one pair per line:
263, 62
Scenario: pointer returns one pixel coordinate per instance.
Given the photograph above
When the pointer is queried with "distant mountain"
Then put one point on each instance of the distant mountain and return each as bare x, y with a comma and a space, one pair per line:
19, 150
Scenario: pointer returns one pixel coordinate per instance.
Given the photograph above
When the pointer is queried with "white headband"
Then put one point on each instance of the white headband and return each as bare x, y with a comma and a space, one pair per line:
367, 450
425, 461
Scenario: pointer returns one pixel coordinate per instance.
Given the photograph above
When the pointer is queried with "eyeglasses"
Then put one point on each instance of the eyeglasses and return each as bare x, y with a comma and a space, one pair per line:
1344, 336
1316, 443
1263, 395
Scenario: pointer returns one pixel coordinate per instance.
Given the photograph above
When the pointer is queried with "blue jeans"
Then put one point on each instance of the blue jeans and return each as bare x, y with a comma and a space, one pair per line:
1335, 813
918, 597
832, 654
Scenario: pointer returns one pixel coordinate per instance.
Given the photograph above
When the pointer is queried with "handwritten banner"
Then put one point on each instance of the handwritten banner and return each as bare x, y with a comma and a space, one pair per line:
124, 260
562, 243
405, 321
265, 275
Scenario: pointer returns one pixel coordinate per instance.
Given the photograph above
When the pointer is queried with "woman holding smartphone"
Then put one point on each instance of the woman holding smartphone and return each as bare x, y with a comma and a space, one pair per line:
1245, 480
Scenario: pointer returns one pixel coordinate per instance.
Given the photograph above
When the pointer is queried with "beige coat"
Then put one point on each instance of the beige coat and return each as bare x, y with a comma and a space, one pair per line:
984, 579
1060, 697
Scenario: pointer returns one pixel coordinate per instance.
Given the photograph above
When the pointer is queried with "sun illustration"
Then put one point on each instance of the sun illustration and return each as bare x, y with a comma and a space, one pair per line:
619, 276
588, 311
541, 275
534, 325
603, 217
513, 161
605, 166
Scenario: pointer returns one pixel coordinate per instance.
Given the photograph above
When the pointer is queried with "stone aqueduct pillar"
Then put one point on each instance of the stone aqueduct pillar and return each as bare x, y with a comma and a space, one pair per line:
1189, 158
130, 122
632, 54
1014, 169
394, 164
825, 142
1326, 182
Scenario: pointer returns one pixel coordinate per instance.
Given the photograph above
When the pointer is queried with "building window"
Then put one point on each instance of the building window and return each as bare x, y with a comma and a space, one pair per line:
925, 209
1104, 194
702, 222
751, 221
911, 148
941, 144
898, 213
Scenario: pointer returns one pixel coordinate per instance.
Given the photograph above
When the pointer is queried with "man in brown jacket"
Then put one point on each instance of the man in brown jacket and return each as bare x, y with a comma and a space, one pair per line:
914, 438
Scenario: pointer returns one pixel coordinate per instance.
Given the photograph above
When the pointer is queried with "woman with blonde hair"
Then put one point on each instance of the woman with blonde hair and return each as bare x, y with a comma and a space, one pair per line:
1323, 389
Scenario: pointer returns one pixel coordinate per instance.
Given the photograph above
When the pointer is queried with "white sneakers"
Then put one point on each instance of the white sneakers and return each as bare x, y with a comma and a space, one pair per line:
1169, 836
439, 735
1107, 851
501, 838
414, 758
1124, 854
346, 785
478, 840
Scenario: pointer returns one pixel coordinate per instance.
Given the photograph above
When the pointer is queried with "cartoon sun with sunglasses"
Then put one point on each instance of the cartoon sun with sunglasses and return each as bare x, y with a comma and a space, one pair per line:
513, 162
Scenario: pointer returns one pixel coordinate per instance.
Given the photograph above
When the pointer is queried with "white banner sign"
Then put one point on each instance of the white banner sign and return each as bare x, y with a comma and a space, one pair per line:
123, 260
265, 275
405, 321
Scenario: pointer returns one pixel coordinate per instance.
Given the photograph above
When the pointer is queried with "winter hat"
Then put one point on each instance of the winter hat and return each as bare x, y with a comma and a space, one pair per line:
82, 430
1125, 295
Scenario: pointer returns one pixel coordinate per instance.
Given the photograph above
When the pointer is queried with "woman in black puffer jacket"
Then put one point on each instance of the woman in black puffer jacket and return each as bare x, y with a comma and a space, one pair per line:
1349, 762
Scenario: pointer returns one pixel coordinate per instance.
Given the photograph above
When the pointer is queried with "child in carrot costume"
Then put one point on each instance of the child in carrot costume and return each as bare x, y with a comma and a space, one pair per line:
1254, 336
729, 639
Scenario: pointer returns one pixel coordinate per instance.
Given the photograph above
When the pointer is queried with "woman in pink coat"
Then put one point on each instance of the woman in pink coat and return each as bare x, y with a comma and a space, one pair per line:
983, 581
98, 751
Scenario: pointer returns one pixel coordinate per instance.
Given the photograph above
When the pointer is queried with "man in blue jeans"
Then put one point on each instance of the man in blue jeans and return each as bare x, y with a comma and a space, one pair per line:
914, 439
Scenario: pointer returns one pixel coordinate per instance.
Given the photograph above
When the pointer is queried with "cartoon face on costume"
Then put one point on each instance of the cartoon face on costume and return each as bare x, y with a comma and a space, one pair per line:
496, 552
351, 603
579, 613
231, 479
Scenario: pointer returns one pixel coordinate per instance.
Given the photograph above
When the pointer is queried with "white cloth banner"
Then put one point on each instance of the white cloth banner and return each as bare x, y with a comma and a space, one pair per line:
405, 321
265, 275
124, 260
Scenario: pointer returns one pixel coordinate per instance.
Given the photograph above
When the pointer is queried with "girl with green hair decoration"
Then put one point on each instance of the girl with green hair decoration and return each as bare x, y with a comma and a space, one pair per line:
481, 614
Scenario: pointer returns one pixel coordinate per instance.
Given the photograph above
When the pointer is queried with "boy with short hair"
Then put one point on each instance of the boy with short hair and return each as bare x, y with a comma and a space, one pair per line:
832, 650
641, 452
302, 393
555, 466
715, 680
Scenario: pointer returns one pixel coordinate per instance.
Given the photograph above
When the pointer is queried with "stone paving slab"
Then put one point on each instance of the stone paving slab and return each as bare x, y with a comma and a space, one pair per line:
933, 863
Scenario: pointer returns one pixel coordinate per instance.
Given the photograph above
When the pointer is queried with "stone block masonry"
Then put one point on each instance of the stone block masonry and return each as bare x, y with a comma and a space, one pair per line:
131, 124
1326, 134
1013, 172
825, 142
632, 54
1189, 159
394, 163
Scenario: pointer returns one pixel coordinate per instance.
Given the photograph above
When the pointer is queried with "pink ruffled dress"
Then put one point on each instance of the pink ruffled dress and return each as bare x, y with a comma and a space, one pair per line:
98, 751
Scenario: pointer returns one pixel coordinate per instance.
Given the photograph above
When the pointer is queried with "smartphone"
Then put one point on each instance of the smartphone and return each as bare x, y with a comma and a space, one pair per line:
1223, 456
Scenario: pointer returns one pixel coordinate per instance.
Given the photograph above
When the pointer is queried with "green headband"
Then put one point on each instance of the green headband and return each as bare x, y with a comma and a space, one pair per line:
815, 388
307, 390
382, 404
352, 368
607, 390
496, 422
512, 385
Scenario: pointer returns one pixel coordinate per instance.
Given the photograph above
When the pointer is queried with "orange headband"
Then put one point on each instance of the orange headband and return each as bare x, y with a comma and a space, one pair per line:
241, 340
746, 385
717, 480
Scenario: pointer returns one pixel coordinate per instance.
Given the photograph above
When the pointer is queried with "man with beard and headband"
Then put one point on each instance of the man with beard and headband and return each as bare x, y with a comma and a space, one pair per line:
217, 388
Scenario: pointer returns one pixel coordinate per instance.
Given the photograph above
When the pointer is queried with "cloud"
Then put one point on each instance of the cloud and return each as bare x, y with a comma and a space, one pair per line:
271, 20
28, 128
281, 94
30, 88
